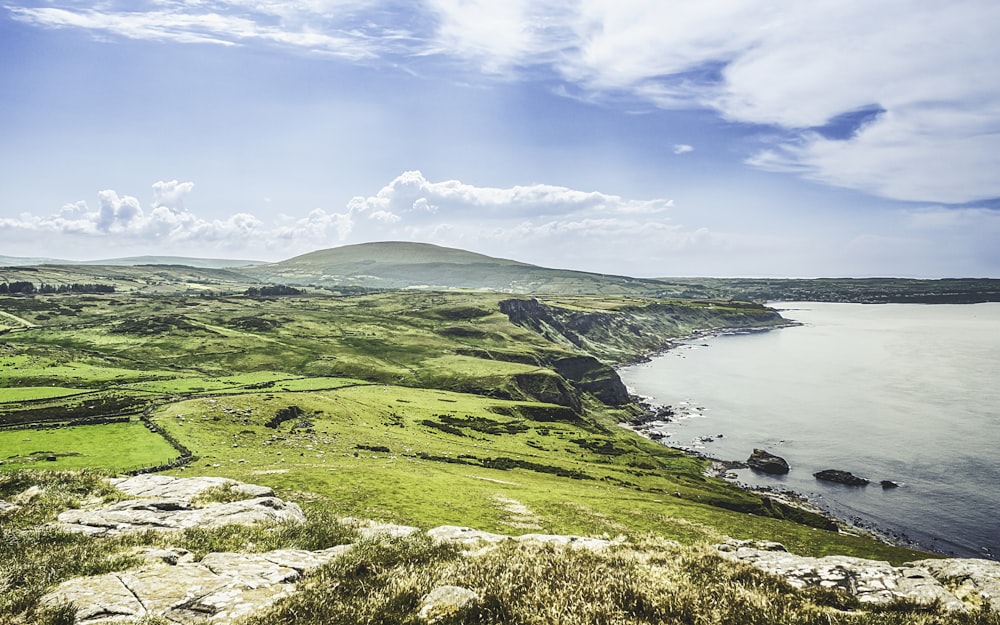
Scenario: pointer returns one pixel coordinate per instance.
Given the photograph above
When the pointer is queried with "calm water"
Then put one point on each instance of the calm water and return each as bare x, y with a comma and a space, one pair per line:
909, 393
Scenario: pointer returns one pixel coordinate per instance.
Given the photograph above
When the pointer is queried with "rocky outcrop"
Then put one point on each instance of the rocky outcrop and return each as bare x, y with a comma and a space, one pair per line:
970, 579
221, 588
590, 375
628, 332
766, 462
840, 477
168, 503
926, 582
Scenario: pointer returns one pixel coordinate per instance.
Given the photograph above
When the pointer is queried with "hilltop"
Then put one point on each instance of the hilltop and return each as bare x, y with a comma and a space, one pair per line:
399, 265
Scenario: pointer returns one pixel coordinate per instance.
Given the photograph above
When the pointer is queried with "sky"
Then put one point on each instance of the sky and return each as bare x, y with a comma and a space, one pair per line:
771, 138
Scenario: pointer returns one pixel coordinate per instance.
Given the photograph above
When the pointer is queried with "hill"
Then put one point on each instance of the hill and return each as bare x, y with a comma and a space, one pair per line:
400, 265
153, 279
131, 261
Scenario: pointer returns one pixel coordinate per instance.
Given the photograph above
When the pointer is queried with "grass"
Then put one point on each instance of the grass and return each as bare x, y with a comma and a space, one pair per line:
33, 560
661, 583
647, 579
114, 446
27, 393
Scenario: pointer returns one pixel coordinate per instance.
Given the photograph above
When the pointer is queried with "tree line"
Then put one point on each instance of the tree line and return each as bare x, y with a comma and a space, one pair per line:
29, 288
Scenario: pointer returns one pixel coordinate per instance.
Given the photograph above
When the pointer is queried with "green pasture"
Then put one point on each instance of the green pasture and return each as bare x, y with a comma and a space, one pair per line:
27, 393
115, 447
385, 452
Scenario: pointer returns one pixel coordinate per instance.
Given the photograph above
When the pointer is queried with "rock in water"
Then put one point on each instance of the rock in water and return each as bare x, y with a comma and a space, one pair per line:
840, 477
765, 462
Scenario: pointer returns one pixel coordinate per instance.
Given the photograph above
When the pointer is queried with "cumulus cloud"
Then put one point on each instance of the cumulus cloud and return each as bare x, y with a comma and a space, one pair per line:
544, 224
683, 148
123, 219
413, 197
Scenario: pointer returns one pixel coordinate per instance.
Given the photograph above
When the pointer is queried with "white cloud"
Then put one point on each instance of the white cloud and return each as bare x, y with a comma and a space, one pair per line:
314, 26
544, 224
123, 219
787, 65
413, 197
171, 194
682, 148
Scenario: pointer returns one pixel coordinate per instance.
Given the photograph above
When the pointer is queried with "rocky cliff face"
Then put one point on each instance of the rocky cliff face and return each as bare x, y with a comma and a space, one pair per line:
590, 375
609, 337
618, 335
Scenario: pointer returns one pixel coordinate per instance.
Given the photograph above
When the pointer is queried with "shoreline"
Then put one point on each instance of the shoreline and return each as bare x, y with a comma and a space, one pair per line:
662, 414
722, 469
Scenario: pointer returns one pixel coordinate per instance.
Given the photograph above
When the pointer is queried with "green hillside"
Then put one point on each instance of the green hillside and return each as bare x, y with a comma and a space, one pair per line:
397, 265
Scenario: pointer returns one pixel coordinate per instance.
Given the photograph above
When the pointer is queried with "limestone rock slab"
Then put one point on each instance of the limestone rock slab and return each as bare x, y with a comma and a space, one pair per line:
220, 588
871, 581
972, 579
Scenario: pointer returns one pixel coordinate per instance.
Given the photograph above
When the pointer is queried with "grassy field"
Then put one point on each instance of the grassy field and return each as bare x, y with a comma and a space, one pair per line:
417, 407
27, 393
112, 446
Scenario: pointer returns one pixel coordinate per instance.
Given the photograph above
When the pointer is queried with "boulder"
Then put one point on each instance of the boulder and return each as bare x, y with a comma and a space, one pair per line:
765, 462
445, 602
840, 477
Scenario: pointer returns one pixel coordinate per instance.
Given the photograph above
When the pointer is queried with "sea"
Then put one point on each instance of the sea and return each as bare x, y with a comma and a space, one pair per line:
908, 393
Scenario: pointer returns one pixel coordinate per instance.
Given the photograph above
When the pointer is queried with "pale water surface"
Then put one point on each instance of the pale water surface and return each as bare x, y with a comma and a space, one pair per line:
902, 392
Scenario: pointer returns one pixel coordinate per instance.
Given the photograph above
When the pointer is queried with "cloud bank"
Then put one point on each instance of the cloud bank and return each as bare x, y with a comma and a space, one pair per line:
536, 223
789, 67
543, 224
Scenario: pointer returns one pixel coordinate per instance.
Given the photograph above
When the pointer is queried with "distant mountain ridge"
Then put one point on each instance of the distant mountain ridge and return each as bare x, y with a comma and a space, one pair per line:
132, 261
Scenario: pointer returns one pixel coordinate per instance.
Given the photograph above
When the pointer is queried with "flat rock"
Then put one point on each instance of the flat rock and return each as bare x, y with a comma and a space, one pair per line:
137, 515
871, 581
971, 579
168, 503
766, 462
221, 588
464, 535
373, 529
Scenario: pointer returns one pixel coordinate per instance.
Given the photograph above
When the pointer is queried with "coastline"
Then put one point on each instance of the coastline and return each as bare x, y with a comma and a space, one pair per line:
722, 469
658, 415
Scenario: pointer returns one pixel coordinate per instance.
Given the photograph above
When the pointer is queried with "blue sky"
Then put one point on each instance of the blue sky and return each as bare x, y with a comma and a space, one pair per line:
639, 137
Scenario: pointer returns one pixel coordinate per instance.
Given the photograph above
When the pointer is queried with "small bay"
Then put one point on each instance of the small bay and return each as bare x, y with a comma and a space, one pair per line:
902, 392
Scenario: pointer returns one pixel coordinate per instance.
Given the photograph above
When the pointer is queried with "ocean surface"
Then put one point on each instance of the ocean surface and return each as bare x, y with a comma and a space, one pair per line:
901, 392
